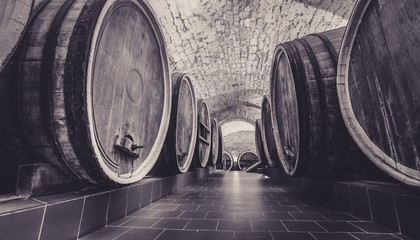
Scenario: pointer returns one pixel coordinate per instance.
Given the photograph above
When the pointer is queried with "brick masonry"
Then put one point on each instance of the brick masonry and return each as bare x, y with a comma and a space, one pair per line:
226, 46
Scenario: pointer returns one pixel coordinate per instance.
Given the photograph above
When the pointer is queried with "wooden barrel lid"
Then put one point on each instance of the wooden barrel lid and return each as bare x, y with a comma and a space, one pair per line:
109, 59
307, 126
14, 16
267, 134
227, 161
221, 149
378, 85
285, 114
204, 134
182, 133
259, 143
214, 141
247, 159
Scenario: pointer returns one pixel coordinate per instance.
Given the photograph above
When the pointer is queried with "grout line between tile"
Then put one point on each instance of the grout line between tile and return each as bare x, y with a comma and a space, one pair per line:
320, 226
122, 233
81, 217
357, 226
107, 209
271, 235
396, 212
42, 222
370, 207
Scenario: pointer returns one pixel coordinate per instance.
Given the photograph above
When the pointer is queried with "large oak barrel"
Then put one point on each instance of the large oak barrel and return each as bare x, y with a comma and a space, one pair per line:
267, 134
247, 159
307, 124
219, 163
259, 143
227, 161
94, 92
14, 16
378, 85
214, 142
178, 151
203, 145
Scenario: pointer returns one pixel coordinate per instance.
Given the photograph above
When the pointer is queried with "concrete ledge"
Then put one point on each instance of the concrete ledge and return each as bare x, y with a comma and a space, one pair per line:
390, 204
74, 214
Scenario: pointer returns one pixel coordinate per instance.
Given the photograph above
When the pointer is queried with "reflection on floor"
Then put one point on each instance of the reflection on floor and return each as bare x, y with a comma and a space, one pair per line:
240, 205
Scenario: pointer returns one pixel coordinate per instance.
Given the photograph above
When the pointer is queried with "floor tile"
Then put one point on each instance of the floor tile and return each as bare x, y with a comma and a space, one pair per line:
252, 207
334, 216
308, 226
374, 236
248, 215
277, 216
187, 207
106, 233
339, 227
202, 224
140, 222
220, 215
213, 235
177, 235
373, 227
165, 206
308, 216
168, 214
268, 225
285, 209
140, 233
193, 214
144, 213
171, 223
292, 236
253, 235
235, 225
333, 236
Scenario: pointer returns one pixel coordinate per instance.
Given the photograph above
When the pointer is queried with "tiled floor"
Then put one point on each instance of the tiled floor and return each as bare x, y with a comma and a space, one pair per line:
239, 205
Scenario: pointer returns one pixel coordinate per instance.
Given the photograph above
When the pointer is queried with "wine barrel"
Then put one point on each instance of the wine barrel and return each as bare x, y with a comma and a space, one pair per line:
94, 92
219, 163
203, 146
307, 124
14, 16
227, 161
378, 86
267, 135
259, 143
178, 151
214, 142
247, 159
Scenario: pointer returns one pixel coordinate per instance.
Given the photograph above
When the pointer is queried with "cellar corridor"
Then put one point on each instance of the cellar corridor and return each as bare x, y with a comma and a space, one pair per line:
209, 119
240, 205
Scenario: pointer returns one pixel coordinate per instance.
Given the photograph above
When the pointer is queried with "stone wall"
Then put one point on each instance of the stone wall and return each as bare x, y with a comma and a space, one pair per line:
226, 46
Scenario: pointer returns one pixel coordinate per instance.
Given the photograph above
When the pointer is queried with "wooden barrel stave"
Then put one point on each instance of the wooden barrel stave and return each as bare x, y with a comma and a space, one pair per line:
312, 70
203, 146
57, 116
378, 87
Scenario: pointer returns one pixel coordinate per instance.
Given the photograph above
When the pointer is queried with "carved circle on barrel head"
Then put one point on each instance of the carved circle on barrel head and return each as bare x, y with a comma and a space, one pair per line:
134, 87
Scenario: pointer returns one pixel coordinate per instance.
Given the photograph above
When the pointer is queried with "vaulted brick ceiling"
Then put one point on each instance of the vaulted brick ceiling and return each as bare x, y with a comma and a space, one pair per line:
226, 46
